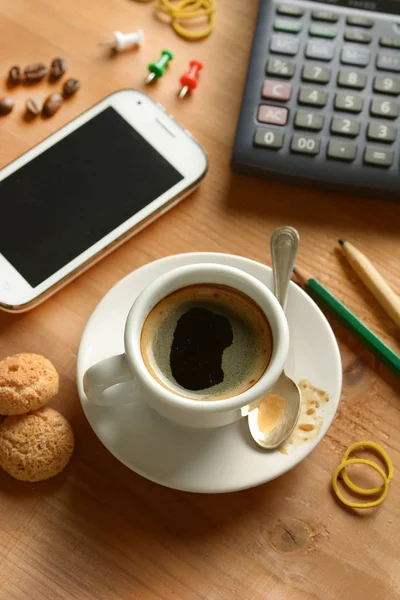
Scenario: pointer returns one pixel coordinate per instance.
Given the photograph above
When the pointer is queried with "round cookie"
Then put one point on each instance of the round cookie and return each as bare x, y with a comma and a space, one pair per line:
35, 446
27, 382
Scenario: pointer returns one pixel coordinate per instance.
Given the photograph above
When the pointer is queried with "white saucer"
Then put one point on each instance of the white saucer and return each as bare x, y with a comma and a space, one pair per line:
209, 461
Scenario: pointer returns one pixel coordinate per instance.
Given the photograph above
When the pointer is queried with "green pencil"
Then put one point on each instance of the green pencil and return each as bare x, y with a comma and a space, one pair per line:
360, 331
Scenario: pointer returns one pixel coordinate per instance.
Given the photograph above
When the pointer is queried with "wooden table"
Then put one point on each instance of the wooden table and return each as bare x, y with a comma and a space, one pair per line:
98, 531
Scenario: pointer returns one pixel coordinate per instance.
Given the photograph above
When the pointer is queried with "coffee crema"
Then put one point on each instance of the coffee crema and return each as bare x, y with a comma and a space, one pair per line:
206, 342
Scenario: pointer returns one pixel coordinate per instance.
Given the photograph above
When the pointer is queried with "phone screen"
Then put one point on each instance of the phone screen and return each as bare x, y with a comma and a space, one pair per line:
76, 192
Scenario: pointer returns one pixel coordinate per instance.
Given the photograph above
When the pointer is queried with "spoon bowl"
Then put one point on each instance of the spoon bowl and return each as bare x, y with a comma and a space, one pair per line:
284, 245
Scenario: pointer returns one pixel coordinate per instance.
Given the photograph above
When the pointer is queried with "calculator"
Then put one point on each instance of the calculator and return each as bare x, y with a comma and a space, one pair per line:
321, 102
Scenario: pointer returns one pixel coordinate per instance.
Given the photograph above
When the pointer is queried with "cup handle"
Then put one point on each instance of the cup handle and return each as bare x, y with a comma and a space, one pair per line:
100, 379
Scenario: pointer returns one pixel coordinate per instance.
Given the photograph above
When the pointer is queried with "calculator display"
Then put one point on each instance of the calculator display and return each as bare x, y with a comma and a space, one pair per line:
388, 6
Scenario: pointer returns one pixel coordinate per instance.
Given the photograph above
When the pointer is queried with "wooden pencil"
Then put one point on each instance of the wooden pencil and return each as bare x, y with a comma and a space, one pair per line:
374, 281
360, 331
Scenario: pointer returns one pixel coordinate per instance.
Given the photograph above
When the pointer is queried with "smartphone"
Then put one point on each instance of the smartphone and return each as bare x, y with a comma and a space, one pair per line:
86, 189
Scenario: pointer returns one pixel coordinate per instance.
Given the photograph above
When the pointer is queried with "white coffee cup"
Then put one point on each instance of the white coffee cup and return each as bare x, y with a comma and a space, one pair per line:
102, 382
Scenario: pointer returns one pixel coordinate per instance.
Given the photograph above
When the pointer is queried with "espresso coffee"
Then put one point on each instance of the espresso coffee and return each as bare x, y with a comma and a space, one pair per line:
206, 342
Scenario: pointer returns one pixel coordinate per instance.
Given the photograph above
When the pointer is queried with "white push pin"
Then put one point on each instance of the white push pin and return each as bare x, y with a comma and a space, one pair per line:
121, 41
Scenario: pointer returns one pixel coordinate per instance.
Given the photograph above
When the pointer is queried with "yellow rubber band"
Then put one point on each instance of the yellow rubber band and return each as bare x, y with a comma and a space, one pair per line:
193, 35
385, 457
186, 10
362, 461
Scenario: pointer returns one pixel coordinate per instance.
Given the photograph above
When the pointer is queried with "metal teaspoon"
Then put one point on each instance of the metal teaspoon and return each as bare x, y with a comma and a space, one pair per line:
284, 245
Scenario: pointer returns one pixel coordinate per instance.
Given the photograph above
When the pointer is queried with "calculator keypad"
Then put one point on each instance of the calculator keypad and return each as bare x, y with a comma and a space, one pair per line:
281, 67
324, 15
323, 31
320, 50
388, 61
288, 25
310, 96
358, 36
272, 115
360, 21
291, 10
384, 108
339, 150
379, 157
276, 90
316, 73
349, 103
352, 55
310, 121
343, 97
387, 84
345, 126
269, 138
381, 132
305, 144
351, 78
284, 44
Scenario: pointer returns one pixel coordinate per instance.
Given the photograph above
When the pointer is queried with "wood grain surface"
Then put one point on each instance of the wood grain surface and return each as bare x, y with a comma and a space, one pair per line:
101, 532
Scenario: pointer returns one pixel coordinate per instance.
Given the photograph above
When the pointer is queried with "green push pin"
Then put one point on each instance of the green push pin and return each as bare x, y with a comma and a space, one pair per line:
157, 69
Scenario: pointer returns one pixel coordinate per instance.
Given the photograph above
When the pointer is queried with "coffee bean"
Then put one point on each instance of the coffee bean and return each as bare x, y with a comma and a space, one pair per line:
52, 104
6, 106
15, 75
71, 86
35, 72
58, 68
33, 107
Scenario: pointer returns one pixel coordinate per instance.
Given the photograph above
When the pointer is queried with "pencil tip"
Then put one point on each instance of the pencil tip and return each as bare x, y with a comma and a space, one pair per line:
341, 242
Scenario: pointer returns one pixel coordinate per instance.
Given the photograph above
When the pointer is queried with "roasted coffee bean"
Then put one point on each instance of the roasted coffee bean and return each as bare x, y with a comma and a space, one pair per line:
6, 106
58, 68
15, 75
52, 104
71, 86
33, 107
35, 72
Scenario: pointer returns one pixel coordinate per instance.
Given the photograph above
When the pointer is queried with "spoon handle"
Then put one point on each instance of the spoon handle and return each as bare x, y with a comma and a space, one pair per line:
284, 245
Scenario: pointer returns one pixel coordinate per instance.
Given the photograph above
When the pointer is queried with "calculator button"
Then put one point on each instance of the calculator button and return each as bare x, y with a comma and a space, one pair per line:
378, 157
320, 50
309, 120
341, 150
351, 55
291, 10
312, 96
384, 108
305, 144
324, 15
390, 42
349, 102
316, 73
387, 84
324, 31
360, 21
345, 126
268, 138
281, 67
284, 44
288, 25
358, 36
381, 132
274, 115
388, 61
276, 90
351, 78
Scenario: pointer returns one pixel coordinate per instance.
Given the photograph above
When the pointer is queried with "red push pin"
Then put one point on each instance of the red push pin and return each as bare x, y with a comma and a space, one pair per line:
189, 79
